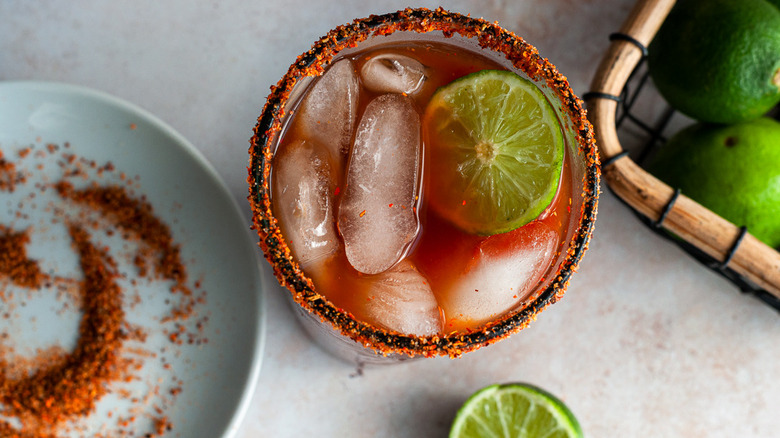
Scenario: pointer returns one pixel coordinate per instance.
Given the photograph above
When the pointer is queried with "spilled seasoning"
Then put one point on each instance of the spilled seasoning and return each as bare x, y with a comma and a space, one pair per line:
71, 386
134, 216
46, 395
14, 263
9, 176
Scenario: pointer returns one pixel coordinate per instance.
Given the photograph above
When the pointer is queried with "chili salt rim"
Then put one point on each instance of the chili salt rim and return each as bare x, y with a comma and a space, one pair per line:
524, 57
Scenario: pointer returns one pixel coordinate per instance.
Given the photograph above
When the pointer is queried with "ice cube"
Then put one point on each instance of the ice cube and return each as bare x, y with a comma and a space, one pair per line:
401, 299
504, 271
303, 198
378, 213
393, 73
328, 112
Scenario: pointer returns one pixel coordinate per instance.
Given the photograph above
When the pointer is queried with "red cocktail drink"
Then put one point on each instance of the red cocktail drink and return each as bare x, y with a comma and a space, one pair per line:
358, 217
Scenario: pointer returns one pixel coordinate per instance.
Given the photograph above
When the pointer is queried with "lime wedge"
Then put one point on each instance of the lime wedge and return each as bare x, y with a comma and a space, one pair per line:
514, 410
496, 151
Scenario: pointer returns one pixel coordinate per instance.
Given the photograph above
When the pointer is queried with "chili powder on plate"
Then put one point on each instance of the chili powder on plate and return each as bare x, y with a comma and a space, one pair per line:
42, 396
54, 393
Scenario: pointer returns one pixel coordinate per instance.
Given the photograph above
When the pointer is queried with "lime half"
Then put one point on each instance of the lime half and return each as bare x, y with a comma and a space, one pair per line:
514, 410
495, 149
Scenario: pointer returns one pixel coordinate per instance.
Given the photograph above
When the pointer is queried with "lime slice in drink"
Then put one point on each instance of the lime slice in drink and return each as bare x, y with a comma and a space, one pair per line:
495, 149
514, 410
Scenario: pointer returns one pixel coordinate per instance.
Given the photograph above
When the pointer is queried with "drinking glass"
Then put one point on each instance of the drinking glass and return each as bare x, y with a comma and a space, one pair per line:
333, 328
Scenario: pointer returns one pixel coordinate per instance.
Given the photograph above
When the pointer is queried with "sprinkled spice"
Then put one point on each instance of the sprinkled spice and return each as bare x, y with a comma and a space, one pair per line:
70, 387
9, 176
14, 262
46, 395
136, 217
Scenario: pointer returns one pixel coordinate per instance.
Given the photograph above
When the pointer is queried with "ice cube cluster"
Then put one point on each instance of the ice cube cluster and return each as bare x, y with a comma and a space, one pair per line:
372, 221
376, 215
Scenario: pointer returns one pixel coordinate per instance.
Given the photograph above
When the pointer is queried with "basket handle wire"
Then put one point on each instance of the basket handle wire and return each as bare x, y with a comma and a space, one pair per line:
730, 246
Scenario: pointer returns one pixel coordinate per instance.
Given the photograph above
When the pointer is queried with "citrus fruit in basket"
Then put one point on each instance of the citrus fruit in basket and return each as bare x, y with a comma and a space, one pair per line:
734, 170
775, 3
718, 60
496, 151
514, 410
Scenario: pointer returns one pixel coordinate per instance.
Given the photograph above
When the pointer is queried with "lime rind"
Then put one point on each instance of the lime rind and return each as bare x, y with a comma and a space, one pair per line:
514, 177
514, 410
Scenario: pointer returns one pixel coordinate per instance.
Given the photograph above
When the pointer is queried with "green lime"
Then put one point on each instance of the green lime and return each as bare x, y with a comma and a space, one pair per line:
734, 170
514, 410
496, 151
718, 60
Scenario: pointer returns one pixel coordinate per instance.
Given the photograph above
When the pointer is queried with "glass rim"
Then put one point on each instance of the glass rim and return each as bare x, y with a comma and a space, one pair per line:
491, 36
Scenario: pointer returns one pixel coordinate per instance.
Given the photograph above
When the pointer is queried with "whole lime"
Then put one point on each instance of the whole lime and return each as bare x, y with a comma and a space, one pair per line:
718, 60
734, 170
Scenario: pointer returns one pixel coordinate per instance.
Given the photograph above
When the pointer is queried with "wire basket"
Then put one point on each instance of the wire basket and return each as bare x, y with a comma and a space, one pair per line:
719, 244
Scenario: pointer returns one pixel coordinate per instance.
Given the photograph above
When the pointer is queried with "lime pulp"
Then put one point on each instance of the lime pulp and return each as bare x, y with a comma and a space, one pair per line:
496, 150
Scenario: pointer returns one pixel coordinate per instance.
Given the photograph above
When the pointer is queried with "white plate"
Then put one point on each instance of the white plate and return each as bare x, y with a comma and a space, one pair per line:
218, 376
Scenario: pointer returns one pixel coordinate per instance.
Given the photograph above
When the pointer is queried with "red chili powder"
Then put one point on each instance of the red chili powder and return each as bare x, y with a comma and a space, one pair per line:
135, 216
14, 262
44, 393
9, 176
71, 386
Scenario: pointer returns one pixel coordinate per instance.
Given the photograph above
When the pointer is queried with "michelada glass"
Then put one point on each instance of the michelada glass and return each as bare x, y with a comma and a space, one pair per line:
340, 181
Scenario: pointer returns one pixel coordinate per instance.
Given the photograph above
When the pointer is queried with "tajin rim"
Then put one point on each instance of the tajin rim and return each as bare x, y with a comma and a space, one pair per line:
490, 36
